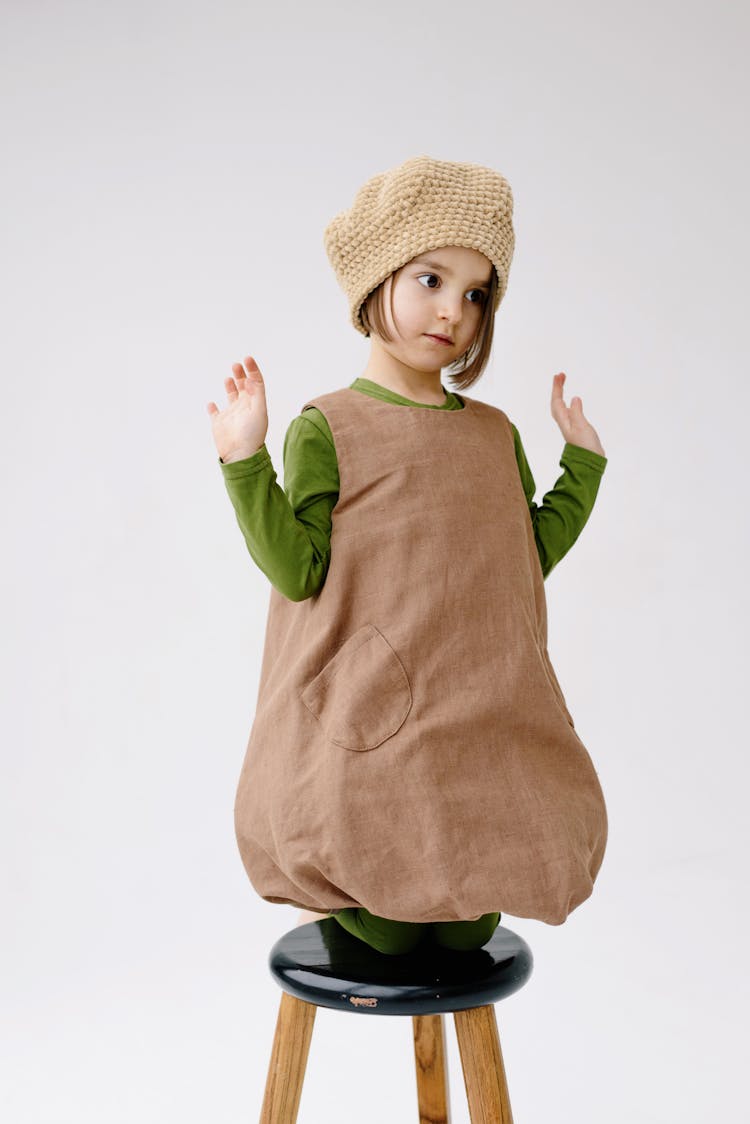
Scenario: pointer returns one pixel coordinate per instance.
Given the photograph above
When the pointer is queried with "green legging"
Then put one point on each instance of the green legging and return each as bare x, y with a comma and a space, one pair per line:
398, 937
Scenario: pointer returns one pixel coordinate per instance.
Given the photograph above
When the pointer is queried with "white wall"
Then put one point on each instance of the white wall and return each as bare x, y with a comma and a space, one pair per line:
168, 172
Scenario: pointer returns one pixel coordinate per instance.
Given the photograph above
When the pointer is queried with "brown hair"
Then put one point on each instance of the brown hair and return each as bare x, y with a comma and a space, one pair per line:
468, 367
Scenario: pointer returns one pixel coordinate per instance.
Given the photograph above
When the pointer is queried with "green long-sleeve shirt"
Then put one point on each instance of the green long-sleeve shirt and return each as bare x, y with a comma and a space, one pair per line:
288, 531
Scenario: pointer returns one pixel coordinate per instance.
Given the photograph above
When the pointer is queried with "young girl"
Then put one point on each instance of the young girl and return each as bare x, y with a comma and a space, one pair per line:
413, 769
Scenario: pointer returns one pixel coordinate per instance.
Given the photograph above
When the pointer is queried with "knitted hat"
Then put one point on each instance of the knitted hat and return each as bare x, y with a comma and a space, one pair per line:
418, 206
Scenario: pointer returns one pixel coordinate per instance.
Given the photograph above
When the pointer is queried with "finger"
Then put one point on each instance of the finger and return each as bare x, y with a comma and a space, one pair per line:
557, 386
239, 371
254, 377
231, 388
212, 408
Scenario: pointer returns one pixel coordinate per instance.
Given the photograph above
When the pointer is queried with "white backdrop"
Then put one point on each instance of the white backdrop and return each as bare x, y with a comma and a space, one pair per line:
168, 171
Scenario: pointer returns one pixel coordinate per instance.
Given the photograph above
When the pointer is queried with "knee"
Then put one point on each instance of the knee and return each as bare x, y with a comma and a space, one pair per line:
394, 938
398, 942
465, 936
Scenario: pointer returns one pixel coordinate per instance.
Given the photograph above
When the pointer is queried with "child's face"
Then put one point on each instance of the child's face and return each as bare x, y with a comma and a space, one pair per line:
439, 292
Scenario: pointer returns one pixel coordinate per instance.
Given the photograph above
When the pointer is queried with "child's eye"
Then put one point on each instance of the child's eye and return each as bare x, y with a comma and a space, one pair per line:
428, 275
480, 291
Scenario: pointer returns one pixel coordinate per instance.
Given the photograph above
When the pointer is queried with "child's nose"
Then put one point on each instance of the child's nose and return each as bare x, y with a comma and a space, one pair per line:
450, 312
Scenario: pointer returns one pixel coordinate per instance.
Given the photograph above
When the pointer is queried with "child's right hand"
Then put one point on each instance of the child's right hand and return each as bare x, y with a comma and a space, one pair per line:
240, 429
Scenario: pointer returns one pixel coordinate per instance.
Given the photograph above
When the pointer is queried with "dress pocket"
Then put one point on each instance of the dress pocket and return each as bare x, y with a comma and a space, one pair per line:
362, 696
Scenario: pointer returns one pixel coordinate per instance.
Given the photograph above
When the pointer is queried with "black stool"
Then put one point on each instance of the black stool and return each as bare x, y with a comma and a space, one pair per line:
321, 965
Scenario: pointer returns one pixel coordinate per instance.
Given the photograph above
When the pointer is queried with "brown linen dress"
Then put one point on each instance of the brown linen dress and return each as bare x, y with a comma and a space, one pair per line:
411, 750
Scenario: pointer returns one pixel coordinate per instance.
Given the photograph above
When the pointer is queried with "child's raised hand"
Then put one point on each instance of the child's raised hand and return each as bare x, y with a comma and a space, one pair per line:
573, 425
239, 430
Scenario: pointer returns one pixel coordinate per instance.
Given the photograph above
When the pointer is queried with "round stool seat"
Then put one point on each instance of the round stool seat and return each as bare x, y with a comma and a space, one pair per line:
321, 963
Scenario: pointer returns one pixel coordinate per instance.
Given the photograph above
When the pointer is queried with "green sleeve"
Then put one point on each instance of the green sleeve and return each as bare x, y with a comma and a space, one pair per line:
564, 511
288, 531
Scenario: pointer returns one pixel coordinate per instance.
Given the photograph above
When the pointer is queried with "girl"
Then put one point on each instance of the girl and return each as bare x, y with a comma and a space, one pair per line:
412, 767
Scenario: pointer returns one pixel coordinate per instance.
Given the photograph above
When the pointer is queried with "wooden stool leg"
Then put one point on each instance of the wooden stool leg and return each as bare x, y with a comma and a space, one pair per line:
482, 1063
286, 1070
431, 1061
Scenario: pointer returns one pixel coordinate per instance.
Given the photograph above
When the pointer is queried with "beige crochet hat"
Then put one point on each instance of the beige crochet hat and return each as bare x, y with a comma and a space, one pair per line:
420, 205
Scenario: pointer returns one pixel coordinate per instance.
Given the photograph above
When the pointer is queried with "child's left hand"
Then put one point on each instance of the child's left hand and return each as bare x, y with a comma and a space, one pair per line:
573, 425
